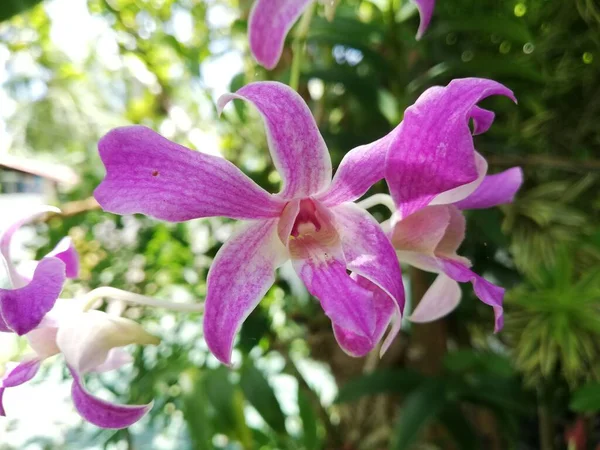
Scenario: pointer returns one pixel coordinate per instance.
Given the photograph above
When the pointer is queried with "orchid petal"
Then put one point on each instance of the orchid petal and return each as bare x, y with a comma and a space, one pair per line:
43, 341
149, 174
462, 192
269, 23
102, 413
117, 357
442, 297
370, 254
8, 233
494, 190
66, 252
23, 309
241, 274
482, 119
345, 302
360, 168
298, 150
425, 8
16, 375
87, 339
385, 308
454, 234
487, 292
422, 231
433, 151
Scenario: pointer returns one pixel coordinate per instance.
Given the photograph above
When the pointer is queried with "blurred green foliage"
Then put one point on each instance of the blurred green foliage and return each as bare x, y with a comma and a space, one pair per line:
163, 62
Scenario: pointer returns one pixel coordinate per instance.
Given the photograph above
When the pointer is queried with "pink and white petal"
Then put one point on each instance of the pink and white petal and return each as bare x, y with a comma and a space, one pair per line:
422, 231
148, 174
298, 150
23, 309
425, 8
345, 302
43, 341
66, 252
370, 254
462, 192
3, 325
385, 308
22, 218
494, 190
488, 293
442, 297
433, 149
482, 119
454, 234
102, 413
117, 358
17, 374
241, 274
360, 169
86, 339
268, 25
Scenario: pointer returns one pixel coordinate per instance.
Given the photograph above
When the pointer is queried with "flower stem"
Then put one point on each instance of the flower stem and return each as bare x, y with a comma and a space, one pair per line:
378, 199
137, 299
298, 45
546, 425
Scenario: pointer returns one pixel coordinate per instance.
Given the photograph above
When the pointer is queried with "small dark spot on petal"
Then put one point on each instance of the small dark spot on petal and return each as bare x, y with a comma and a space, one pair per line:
155, 173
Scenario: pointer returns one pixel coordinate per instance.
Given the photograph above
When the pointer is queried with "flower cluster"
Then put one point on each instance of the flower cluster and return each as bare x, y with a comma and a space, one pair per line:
89, 340
344, 257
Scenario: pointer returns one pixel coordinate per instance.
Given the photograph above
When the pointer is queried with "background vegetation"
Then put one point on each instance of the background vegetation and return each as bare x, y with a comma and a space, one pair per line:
448, 385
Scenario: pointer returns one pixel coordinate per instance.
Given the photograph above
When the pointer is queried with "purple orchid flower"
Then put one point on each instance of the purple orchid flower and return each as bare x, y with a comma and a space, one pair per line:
428, 227
271, 20
429, 239
90, 341
32, 295
312, 221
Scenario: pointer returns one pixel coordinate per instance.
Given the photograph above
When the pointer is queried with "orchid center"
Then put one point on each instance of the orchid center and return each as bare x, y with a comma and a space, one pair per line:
313, 235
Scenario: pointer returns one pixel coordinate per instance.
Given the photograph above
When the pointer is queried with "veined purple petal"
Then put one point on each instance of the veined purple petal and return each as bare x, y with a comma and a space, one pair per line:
482, 119
345, 302
8, 233
494, 190
241, 274
462, 192
370, 254
360, 169
23, 309
425, 8
385, 308
269, 23
20, 373
487, 292
296, 145
148, 174
65, 251
442, 297
433, 149
16, 375
102, 413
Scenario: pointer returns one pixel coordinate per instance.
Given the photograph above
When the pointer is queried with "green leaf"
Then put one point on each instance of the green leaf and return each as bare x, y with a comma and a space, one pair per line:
260, 395
309, 421
419, 408
220, 392
9, 8
457, 425
380, 382
586, 398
